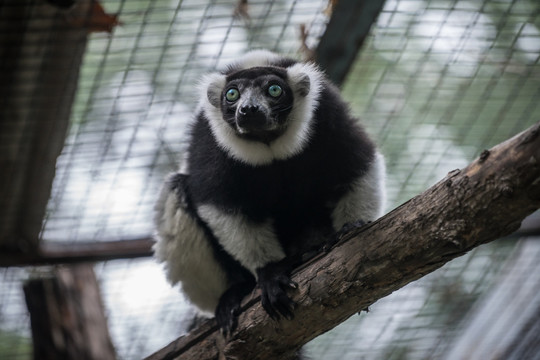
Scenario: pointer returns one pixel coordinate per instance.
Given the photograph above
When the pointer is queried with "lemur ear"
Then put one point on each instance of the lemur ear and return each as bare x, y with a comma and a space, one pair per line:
213, 85
303, 85
299, 79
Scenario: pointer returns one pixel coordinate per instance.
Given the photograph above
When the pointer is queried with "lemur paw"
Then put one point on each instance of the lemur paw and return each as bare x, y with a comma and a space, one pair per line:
274, 281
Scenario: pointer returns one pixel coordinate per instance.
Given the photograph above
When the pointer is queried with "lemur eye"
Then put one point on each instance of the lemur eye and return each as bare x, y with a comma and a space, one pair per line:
275, 90
232, 94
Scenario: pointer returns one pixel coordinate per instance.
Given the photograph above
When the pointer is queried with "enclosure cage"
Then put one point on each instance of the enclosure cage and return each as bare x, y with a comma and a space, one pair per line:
96, 97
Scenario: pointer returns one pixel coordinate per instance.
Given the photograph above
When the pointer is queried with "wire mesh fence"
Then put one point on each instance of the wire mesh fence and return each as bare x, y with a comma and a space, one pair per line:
435, 83
136, 94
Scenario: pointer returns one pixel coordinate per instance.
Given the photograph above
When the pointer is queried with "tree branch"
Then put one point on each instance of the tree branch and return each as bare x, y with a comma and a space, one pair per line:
485, 201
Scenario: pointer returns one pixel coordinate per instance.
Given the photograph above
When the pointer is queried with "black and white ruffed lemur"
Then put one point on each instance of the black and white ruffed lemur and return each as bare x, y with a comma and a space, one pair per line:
275, 165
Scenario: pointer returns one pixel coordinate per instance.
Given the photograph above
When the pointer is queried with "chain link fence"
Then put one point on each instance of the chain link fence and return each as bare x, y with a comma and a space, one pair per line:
435, 83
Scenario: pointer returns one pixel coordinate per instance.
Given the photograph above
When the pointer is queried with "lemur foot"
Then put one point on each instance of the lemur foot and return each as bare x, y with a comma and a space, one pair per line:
274, 280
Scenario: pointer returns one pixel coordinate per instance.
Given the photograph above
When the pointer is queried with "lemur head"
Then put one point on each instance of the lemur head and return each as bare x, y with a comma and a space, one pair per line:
260, 109
257, 102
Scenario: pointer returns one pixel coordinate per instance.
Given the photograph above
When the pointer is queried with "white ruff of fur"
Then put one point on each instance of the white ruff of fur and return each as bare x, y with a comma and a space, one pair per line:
256, 58
299, 127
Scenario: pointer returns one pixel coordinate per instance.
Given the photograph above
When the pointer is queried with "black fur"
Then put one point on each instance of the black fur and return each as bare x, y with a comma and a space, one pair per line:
268, 180
298, 193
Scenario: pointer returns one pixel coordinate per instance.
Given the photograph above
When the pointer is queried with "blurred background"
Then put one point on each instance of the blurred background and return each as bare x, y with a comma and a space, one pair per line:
435, 82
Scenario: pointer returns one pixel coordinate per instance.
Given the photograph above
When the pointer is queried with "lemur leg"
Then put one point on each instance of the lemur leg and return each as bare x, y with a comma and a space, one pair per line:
229, 306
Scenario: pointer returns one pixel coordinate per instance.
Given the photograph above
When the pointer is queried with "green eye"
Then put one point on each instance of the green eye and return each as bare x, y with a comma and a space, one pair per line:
275, 90
232, 94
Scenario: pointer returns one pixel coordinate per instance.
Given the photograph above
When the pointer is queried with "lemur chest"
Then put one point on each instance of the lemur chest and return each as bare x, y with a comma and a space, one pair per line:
287, 196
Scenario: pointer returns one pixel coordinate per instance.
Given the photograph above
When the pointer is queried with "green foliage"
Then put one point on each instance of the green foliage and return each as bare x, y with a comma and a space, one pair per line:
14, 345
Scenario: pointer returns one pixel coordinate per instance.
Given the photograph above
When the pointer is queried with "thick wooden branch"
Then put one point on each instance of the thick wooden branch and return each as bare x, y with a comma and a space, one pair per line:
485, 201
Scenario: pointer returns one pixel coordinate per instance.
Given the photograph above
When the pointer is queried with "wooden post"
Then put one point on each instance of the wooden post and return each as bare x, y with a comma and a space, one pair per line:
40, 57
67, 317
345, 34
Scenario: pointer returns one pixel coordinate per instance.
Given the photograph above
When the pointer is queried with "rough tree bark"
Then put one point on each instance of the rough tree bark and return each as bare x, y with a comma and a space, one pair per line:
482, 202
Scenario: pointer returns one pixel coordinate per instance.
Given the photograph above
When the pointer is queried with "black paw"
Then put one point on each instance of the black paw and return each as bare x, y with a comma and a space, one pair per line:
228, 306
335, 238
274, 281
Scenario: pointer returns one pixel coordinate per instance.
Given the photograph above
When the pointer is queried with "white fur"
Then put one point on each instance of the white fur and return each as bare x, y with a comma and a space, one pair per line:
257, 58
253, 245
212, 83
366, 200
298, 131
187, 254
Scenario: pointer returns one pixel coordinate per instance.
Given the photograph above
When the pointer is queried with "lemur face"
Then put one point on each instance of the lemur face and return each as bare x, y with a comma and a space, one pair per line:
256, 103
259, 111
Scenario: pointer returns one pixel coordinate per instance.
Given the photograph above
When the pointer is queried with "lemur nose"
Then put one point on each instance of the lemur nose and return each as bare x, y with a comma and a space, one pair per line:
249, 109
